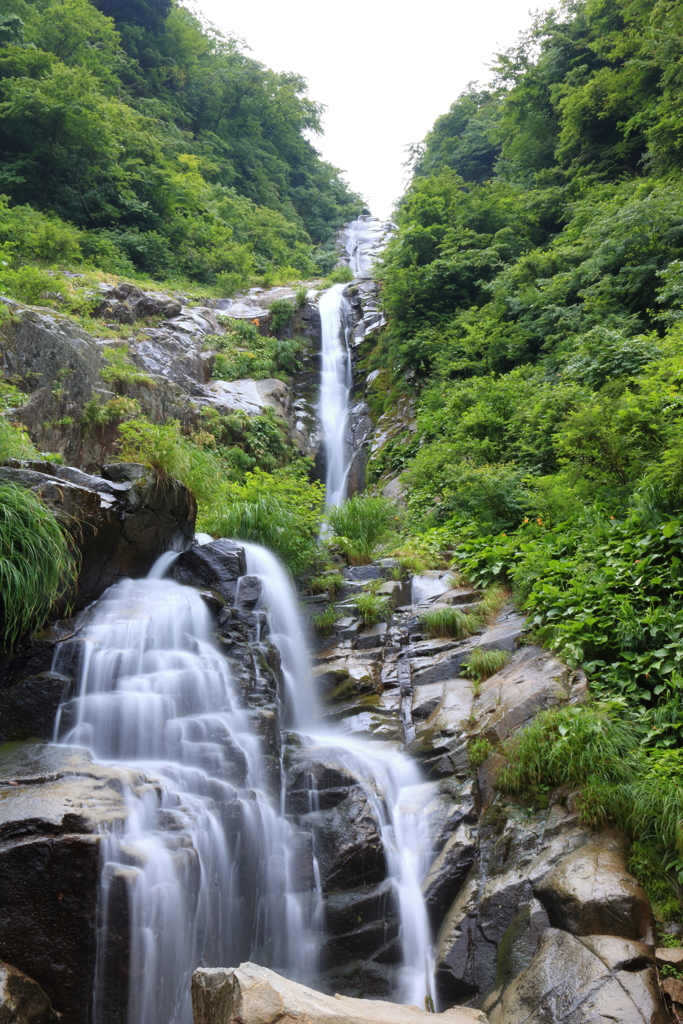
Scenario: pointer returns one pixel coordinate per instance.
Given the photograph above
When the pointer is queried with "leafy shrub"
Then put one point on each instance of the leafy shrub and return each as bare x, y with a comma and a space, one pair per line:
34, 286
243, 352
37, 562
29, 235
450, 622
301, 297
97, 413
282, 313
481, 664
360, 525
373, 608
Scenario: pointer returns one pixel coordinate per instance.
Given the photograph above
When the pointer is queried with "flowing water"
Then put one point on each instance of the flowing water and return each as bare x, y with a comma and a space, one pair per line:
206, 864
335, 386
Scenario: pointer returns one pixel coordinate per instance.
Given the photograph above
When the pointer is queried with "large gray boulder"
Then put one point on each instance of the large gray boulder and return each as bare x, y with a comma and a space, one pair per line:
215, 566
254, 995
121, 521
597, 979
54, 805
590, 892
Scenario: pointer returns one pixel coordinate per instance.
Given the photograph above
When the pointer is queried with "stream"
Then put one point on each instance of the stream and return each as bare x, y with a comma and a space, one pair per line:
206, 862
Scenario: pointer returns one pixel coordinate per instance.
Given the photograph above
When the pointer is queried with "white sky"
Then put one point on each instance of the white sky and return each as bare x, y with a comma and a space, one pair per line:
385, 70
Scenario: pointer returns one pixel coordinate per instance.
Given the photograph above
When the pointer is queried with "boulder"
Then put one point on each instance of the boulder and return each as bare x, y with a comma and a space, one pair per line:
28, 709
448, 871
122, 521
54, 803
125, 303
254, 995
22, 1000
216, 566
590, 892
591, 980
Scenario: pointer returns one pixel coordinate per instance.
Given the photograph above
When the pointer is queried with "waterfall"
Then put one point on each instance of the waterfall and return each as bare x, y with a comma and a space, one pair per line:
335, 385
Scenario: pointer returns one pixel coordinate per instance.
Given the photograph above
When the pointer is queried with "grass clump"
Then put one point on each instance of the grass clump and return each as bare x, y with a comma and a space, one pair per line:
482, 664
492, 602
14, 441
324, 622
38, 565
340, 275
301, 297
327, 583
373, 608
450, 622
244, 352
360, 525
478, 750
121, 371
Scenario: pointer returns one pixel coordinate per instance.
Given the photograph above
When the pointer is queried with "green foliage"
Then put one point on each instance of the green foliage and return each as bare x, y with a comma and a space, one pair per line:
301, 297
120, 370
14, 440
360, 525
329, 583
481, 664
324, 621
244, 352
37, 562
451, 621
157, 145
478, 750
282, 313
372, 608
340, 275
281, 510
97, 413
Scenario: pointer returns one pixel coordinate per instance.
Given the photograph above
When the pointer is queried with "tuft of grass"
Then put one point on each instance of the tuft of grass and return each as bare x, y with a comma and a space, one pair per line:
324, 622
38, 565
450, 622
120, 370
478, 750
360, 525
301, 297
340, 275
492, 602
97, 413
481, 664
373, 608
327, 583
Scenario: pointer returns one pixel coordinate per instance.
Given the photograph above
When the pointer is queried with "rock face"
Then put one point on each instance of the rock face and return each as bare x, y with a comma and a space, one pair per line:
593, 979
22, 1001
53, 801
122, 521
254, 995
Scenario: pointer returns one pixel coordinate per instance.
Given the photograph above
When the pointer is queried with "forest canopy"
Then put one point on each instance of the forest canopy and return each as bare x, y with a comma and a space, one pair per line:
153, 143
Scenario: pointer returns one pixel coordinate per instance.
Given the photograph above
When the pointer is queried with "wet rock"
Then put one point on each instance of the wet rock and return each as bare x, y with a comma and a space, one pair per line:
673, 988
50, 865
372, 636
255, 995
120, 527
587, 980
250, 396
532, 681
217, 566
249, 590
22, 1000
590, 892
448, 871
28, 709
348, 842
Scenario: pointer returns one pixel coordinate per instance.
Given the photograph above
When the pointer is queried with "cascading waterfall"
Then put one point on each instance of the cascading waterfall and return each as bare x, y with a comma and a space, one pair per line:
204, 870
335, 385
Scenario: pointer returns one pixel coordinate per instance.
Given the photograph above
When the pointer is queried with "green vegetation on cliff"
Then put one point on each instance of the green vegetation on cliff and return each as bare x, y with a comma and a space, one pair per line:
534, 298
136, 139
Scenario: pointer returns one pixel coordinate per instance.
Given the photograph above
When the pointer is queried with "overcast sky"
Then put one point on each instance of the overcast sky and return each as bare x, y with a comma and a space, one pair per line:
384, 70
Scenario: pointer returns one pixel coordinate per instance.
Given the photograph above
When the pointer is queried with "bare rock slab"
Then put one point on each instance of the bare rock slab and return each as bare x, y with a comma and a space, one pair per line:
255, 995
22, 1000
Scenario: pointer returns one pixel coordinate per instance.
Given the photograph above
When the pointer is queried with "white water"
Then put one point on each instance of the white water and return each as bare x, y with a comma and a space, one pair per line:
363, 239
335, 385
